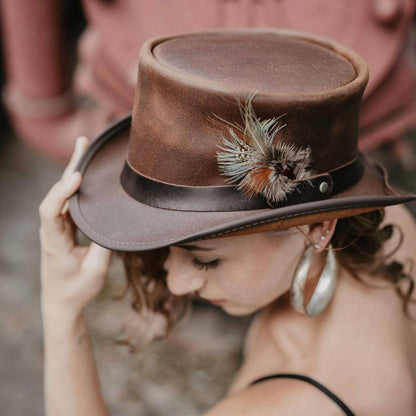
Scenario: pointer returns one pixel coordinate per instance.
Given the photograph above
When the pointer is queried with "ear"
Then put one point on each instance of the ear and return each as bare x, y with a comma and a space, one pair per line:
321, 233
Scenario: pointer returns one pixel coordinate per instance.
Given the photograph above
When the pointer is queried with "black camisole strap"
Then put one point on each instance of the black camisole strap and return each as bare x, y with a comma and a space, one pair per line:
309, 380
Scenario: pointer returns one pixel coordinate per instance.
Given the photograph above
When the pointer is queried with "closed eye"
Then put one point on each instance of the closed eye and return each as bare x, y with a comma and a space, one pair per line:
205, 265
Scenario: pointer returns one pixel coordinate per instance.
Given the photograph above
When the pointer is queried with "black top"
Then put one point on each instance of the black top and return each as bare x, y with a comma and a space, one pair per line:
331, 395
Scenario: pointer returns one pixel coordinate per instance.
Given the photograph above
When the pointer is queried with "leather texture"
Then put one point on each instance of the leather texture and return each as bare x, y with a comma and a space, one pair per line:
315, 84
171, 138
228, 197
107, 215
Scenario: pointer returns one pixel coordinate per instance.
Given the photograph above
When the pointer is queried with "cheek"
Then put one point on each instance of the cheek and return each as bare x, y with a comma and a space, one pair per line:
264, 274
280, 268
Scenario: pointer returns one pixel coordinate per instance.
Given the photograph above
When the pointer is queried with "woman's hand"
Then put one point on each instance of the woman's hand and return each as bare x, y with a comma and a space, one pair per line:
71, 275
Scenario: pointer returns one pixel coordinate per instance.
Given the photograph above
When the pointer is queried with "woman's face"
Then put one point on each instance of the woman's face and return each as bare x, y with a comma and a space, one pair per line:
241, 273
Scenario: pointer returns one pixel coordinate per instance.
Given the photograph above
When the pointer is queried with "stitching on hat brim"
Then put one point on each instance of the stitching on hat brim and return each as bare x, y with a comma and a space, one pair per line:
242, 227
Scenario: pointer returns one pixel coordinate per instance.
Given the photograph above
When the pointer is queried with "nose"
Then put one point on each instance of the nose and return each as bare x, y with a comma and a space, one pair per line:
181, 278
182, 282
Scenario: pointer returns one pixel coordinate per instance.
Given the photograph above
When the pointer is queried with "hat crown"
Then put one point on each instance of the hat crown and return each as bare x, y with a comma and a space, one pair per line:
185, 81
267, 63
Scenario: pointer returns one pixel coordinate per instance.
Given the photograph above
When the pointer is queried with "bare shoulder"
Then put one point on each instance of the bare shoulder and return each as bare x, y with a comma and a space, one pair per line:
277, 397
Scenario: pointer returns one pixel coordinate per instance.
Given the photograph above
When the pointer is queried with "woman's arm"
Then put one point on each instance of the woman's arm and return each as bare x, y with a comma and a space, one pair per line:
71, 383
71, 277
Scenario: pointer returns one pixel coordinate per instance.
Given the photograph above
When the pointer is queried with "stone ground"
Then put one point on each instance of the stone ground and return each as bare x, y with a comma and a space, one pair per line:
182, 376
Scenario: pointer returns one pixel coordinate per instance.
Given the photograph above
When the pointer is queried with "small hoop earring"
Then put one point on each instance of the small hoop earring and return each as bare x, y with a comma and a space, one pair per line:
324, 289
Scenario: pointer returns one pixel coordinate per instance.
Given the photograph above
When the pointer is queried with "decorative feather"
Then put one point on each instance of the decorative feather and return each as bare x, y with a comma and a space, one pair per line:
250, 158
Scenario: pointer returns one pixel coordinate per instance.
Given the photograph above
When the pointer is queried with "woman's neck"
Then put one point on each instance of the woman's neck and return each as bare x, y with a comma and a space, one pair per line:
357, 316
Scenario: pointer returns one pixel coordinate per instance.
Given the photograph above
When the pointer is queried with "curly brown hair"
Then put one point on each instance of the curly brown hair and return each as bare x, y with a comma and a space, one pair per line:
146, 280
357, 242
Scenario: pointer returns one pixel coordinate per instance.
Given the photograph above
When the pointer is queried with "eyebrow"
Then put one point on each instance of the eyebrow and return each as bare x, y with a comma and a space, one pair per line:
192, 247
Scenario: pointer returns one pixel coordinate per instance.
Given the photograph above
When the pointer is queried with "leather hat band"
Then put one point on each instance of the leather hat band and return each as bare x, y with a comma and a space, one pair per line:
229, 198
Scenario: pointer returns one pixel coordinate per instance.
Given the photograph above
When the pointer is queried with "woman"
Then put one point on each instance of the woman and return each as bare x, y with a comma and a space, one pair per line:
262, 205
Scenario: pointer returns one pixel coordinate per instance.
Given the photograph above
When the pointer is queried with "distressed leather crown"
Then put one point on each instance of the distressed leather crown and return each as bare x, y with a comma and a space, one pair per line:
231, 132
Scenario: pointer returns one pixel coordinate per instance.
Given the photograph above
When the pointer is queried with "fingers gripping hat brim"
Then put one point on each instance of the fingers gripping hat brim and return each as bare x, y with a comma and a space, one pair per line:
107, 215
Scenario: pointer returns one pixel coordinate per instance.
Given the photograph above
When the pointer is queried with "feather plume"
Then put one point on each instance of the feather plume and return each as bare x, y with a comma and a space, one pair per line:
250, 157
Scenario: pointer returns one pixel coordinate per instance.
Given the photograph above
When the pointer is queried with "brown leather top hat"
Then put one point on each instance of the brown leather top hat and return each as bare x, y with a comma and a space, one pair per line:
231, 132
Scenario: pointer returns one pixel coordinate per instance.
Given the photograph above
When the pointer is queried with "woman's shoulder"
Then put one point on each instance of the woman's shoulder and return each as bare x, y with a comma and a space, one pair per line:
290, 397
286, 396
276, 397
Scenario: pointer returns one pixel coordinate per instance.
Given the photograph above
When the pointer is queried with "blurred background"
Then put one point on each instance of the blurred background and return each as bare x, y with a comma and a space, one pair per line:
68, 69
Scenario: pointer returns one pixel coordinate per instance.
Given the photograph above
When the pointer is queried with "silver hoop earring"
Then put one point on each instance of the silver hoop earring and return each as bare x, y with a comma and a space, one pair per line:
324, 289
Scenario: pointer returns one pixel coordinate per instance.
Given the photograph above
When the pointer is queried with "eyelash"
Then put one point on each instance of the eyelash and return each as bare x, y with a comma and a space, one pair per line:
205, 266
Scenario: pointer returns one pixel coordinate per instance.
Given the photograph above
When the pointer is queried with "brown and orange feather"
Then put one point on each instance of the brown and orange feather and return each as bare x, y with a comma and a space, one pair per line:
250, 157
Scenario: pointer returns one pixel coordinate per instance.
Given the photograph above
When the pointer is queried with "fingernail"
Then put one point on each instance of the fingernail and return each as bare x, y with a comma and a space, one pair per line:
72, 178
80, 140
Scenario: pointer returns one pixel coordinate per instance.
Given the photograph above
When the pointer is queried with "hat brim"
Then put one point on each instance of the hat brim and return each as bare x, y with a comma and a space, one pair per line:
107, 215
